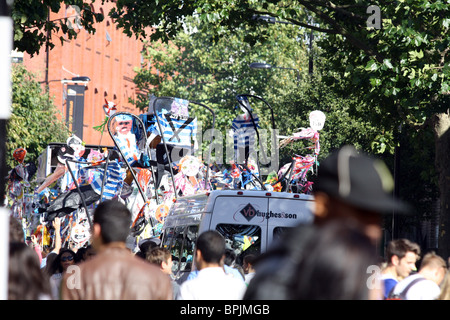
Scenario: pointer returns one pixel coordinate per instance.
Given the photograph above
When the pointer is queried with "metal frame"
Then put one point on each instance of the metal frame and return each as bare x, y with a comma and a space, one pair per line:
165, 144
275, 140
144, 197
105, 165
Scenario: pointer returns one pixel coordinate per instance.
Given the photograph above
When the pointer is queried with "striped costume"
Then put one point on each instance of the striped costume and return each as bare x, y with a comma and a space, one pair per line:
177, 131
244, 136
113, 183
128, 146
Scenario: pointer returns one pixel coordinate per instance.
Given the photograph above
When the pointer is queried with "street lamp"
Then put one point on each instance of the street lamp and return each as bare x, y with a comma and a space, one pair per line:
77, 80
272, 20
262, 65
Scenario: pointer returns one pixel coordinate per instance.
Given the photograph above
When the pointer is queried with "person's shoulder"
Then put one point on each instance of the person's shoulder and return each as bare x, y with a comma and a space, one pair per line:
405, 281
426, 284
388, 278
56, 276
424, 290
232, 280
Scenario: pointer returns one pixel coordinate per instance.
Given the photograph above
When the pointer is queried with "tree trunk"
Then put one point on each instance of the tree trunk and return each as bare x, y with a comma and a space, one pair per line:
441, 126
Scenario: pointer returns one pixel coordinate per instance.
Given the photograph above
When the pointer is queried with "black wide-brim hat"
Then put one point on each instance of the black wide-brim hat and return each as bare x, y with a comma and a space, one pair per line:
359, 180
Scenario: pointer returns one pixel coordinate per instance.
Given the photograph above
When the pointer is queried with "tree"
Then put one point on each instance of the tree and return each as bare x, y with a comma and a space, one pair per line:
192, 66
33, 28
400, 70
33, 122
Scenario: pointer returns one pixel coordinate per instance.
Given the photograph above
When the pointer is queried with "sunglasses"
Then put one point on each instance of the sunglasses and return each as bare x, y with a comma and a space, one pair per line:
68, 258
126, 123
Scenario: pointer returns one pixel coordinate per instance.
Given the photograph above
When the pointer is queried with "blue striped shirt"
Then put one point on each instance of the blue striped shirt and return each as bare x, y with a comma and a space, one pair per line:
171, 130
128, 146
244, 131
67, 182
113, 183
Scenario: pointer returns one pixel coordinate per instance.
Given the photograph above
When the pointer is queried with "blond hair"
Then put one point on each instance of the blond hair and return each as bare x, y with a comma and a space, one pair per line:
432, 261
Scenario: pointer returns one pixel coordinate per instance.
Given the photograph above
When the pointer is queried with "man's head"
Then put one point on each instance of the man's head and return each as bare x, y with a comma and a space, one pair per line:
210, 249
248, 262
433, 267
112, 221
402, 254
162, 258
355, 186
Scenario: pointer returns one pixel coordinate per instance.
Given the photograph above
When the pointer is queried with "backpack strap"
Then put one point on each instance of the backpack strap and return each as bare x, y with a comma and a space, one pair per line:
402, 295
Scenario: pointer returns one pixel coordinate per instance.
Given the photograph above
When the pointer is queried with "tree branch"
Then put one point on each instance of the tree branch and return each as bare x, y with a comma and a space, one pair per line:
341, 30
340, 8
413, 124
296, 22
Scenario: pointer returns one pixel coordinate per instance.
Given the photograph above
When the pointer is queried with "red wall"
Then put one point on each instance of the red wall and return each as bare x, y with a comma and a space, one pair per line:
109, 65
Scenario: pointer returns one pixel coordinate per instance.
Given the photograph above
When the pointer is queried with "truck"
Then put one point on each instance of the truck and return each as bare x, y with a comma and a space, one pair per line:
249, 220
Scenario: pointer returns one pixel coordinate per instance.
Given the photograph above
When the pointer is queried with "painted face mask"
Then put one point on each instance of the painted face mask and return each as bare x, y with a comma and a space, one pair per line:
19, 154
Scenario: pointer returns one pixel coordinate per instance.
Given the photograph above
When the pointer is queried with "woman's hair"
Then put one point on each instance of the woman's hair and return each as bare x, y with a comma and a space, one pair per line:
26, 281
56, 266
334, 264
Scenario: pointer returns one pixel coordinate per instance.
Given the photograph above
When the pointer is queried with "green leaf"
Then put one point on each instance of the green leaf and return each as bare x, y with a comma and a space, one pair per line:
371, 66
387, 63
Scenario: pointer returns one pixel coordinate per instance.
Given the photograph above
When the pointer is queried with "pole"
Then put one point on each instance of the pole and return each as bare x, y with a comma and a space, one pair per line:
311, 39
6, 39
396, 193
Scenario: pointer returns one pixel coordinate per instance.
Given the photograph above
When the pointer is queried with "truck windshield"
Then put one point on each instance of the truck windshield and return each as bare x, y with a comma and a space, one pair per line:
243, 239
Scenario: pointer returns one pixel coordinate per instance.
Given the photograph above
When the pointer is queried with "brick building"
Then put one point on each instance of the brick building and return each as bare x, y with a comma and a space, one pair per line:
107, 58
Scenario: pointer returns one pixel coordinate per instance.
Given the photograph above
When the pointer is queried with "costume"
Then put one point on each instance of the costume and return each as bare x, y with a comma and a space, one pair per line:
177, 128
126, 139
244, 136
71, 200
18, 181
179, 132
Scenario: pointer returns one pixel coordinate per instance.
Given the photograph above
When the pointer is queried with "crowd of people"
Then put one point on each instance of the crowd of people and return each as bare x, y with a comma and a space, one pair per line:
330, 259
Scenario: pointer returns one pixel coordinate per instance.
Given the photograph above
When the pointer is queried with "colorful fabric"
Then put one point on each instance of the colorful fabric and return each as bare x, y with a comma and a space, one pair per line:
127, 144
177, 130
67, 182
113, 183
149, 121
244, 133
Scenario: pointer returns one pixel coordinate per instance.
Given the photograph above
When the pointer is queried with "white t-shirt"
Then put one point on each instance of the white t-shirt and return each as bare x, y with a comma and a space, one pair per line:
212, 284
249, 277
422, 290
55, 284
